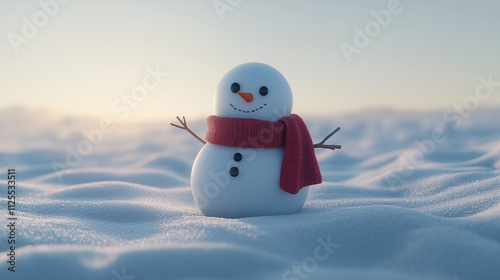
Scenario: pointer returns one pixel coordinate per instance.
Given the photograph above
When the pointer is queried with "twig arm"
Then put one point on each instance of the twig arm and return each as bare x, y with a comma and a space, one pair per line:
331, 147
186, 128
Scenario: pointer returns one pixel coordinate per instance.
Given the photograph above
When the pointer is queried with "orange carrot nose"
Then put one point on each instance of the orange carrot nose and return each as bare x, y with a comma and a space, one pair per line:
248, 97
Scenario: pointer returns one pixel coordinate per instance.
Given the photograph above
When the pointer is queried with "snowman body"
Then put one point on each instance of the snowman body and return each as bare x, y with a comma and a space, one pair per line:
252, 189
235, 182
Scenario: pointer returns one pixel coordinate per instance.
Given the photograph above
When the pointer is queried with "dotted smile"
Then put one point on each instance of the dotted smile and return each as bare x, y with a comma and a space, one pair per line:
255, 110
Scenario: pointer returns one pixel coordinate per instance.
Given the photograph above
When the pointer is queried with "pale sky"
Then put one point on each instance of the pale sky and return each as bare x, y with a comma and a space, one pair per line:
84, 56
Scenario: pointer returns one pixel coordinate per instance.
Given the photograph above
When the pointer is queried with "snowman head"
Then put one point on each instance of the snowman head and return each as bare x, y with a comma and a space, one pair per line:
253, 91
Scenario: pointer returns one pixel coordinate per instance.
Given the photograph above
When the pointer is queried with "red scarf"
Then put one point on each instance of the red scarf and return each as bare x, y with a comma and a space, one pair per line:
299, 167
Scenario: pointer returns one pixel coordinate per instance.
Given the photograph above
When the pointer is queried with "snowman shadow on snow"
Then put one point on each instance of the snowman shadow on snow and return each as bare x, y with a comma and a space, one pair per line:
258, 158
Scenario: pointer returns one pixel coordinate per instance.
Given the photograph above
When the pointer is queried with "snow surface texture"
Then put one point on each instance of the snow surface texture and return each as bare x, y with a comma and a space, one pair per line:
389, 208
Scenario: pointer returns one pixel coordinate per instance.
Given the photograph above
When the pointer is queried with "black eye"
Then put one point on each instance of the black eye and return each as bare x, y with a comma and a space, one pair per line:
235, 87
263, 91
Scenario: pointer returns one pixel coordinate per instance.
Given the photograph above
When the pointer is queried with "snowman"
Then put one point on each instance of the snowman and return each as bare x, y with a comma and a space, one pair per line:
258, 158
